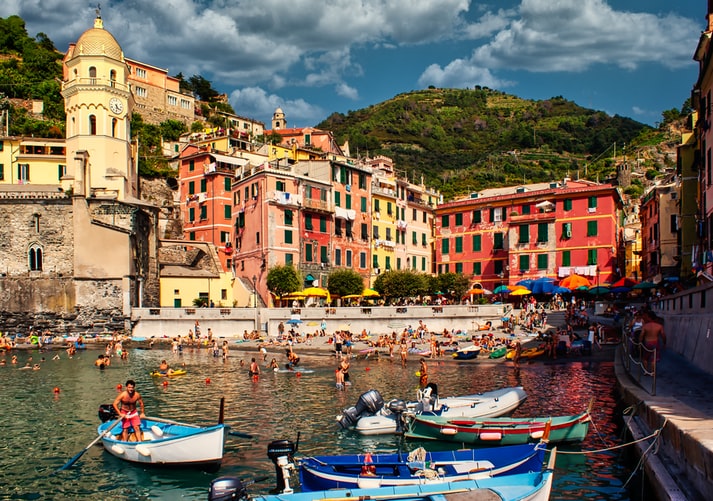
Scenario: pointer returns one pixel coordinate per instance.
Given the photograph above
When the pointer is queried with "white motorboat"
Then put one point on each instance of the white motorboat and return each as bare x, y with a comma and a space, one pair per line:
371, 417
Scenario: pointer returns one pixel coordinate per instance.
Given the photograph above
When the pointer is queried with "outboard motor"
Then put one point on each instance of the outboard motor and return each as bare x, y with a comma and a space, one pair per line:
370, 401
227, 488
398, 407
281, 453
107, 413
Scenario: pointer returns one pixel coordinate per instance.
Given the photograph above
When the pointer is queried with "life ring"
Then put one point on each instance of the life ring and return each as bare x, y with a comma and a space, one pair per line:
34, 340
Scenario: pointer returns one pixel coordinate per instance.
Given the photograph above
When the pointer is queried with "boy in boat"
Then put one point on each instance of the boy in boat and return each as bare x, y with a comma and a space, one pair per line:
164, 369
125, 406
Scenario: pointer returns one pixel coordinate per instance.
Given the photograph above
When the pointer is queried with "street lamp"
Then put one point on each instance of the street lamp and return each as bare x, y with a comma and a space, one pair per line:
255, 291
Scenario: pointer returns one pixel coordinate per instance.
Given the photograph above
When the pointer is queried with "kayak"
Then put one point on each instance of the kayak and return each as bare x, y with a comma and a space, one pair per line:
177, 372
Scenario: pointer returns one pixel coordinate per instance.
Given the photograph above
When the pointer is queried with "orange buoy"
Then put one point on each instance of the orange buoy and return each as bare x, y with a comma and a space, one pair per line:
367, 368
207, 380
165, 383
56, 389
299, 374
119, 387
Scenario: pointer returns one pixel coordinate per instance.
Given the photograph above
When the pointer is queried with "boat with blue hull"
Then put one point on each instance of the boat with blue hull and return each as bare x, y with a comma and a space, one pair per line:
417, 467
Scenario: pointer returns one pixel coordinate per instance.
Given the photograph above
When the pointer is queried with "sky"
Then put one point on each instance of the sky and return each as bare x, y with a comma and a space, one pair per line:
312, 58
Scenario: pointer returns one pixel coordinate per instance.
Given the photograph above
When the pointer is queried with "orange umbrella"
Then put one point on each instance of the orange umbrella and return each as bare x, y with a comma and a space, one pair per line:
575, 281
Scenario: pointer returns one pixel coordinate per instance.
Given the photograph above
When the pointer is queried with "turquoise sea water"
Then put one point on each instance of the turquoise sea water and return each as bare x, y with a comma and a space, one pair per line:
42, 429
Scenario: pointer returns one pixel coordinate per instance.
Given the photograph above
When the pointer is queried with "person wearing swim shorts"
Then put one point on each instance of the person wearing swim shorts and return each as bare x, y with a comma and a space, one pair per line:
126, 406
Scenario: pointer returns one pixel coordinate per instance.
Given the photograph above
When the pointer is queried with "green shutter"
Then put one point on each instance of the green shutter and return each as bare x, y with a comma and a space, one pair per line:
524, 262
477, 216
204, 212
227, 183
414, 238
227, 211
542, 261
567, 230
191, 214
323, 254
459, 267
591, 256
542, 232
288, 218
204, 186
524, 234
308, 222
459, 219
477, 269
323, 224
337, 199
288, 236
566, 258
567, 203
591, 228
459, 244
191, 187
498, 241
444, 221
348, 200
444, 246
477, 243
363, 204
592, 202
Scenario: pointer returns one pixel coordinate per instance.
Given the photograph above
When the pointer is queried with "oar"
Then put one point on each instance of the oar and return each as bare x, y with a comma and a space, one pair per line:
76, 457
168, 421
399, 496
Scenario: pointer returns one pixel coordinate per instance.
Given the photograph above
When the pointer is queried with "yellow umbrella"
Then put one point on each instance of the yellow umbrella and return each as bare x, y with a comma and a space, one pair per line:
520, 292
294, 295
351, 296
315, 291
369, 293
517, 287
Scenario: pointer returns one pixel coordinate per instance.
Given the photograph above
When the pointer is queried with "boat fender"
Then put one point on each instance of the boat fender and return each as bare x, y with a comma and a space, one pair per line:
368, 468
158, 432
117, 449
143, 450
448, 431
491, 435
537, 434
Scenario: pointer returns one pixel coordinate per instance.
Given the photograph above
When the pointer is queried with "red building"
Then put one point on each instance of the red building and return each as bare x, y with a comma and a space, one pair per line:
504, 235
206, 198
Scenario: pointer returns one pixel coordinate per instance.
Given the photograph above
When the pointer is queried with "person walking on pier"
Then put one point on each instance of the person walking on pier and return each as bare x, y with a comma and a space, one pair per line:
653, 339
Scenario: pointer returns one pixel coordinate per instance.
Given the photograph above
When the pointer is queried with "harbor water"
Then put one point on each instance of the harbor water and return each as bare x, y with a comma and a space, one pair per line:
42, 428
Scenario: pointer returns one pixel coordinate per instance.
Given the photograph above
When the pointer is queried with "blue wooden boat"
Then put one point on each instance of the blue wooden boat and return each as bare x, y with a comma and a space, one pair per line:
418, 467
535, 486
467, 353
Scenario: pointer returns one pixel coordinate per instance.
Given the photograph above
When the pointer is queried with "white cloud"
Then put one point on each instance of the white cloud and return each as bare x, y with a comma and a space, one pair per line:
347, 91
459, 74
256, 103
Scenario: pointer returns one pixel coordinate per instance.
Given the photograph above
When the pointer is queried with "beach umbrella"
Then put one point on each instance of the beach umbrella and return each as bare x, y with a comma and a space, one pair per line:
369, 293
644, 285
315, 292
575, 281
526, 283
520, 292
620, 289
472, 292
501, 289
625, 282
294, 321
294, 295
561, 290
598, 290
351, 296
544, 285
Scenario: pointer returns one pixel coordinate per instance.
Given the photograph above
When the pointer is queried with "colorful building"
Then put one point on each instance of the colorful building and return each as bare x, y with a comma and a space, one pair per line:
504, 235
29, 160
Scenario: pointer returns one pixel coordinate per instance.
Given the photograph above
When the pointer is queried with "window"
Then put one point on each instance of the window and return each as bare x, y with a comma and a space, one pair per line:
288, 236
308, 222
592, 203
444, 246
591, 256
92, 125
567, 204
191, 187
204, 185
459, 244
375, 261
477, 243
498, 241
224, 237
227, 211
387, 264
191, 214
542, 231
227, 184
308, 253
398, 263
524, 234
444, 221
414, 238
322, 224
414, 215
337, 199
191, 165
459, 219
424, 241
542, 261
524, 262
114, 123
186, 104
566, 230
364, 231
459, 267
172, 100
477, 216
591, 228
525, 209
423, 264
140, 72
337, 257
349, 258
140, 91
376, 205
498, 266
192, 235
389, 209
204, 212
388, 234
363, 205
375, 230
289, 259
338, 227
289, 217
36, 222
2, 172
477, 269
323, 254
348, 201
362, 181
35, 258
566, 258
23, 173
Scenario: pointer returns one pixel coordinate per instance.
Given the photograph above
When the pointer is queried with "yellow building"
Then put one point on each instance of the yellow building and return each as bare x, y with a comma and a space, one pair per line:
29, 160
384, 217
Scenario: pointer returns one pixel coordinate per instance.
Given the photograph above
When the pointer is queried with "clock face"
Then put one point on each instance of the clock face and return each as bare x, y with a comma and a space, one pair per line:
115, 105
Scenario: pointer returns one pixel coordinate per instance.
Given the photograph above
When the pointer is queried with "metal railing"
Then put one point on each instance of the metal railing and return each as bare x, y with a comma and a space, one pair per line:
639, 360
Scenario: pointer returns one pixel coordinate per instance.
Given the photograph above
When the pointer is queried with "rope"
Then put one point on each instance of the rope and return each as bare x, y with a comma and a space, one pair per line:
655, 434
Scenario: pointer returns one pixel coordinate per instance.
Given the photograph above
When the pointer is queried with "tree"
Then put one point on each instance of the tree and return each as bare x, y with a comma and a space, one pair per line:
202, 88
344, 282
453, 284
282, 280
396, 284
171, 130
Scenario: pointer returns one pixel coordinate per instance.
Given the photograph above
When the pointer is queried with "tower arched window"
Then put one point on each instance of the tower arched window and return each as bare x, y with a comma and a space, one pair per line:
112, 78
34, 257
92, 74
114, 123
92, 125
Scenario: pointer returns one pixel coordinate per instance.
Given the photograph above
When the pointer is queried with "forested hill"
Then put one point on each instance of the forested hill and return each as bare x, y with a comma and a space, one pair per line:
462, 140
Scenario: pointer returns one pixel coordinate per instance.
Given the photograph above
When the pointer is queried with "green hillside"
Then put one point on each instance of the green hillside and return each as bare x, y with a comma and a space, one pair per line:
462, 140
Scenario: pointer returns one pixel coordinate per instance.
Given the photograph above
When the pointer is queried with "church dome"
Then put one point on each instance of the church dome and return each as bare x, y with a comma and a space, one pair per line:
97, 41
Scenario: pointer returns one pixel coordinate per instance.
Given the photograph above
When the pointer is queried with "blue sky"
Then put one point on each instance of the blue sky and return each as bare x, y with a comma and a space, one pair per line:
313, 58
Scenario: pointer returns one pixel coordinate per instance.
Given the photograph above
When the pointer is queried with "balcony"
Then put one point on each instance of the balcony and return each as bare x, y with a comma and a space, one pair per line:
318, 205
537, 217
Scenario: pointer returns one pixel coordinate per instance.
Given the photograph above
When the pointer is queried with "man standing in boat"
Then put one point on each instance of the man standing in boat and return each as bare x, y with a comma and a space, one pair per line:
125, 406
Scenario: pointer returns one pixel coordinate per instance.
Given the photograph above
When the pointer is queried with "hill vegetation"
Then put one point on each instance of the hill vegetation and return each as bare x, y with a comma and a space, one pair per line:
463, 140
